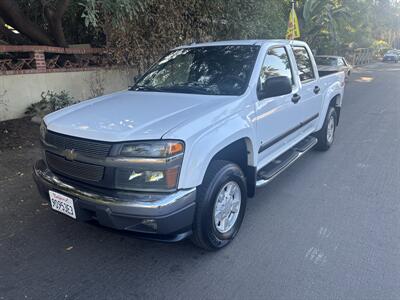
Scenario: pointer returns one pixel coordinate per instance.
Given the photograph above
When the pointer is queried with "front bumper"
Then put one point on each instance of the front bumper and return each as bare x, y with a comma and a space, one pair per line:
169, 215
390, 59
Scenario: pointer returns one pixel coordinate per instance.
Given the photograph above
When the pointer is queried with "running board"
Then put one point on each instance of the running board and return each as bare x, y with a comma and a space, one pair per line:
277, 166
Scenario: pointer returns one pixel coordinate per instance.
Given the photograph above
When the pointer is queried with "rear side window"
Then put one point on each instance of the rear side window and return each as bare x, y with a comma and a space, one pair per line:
304, 64
276, 63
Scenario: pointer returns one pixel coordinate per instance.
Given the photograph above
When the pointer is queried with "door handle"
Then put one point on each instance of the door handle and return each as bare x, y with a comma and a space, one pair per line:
317, 90
296, 98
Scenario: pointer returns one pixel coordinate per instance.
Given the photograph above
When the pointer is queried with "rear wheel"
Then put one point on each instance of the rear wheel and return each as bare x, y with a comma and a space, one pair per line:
221, 204
326, 135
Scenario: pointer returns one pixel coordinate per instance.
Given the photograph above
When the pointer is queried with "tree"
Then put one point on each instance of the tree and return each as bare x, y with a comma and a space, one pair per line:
334, 26
139, 31
324, 22
12, 14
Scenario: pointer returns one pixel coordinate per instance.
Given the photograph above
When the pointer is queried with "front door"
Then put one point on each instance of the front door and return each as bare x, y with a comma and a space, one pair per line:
276, 116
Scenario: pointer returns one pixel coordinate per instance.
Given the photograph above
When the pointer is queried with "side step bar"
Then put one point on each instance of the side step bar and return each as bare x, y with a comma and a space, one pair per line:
277, 166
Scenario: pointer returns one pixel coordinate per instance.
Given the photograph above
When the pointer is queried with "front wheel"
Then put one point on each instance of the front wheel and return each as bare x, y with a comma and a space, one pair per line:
221, 204
326, 135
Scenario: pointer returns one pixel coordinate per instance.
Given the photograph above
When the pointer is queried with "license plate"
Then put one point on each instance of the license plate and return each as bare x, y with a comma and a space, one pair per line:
62, 204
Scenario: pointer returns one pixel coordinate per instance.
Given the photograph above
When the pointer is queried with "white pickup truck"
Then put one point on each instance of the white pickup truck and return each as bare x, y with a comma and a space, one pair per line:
179, 153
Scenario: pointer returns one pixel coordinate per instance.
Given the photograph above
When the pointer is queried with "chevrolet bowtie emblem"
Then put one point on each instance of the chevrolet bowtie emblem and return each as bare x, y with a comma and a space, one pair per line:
69, 154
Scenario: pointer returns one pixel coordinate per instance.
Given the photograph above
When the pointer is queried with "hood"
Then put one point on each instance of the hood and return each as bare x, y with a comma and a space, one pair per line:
129, 115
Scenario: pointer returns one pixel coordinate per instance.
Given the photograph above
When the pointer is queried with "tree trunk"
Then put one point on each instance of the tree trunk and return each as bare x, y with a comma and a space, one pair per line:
10, 10
54, 17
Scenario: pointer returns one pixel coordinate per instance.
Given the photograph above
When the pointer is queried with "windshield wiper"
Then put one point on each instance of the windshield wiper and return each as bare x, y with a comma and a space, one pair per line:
145, 88
188, 89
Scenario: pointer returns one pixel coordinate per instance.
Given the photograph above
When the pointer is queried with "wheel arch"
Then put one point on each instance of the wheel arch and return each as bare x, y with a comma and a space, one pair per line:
241, 152
335, 102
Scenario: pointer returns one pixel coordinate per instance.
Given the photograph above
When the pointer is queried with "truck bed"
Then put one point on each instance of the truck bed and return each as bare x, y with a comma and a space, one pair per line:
326, 73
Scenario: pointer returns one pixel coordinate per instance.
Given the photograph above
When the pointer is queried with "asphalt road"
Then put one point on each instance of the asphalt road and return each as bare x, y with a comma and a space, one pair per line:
327, 228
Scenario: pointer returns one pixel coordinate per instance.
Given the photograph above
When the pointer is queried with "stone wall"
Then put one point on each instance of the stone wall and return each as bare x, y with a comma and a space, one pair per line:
18, 91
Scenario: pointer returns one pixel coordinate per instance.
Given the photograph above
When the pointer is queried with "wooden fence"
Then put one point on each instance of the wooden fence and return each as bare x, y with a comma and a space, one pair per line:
362, 56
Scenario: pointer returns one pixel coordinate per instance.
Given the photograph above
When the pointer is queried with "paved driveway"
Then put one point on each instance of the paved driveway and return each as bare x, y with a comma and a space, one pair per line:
327, 228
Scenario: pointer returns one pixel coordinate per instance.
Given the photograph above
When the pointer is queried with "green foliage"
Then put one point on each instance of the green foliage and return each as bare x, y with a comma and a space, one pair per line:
325, 19
139, 31
50, 101
136, 32
337, 26
120, 10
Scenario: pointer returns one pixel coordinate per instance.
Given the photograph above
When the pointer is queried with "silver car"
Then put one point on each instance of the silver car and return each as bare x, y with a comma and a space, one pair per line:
392, 56
329, 63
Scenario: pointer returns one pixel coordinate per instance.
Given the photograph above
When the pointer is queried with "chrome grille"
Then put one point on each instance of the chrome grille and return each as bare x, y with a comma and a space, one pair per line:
74, 169
86, 147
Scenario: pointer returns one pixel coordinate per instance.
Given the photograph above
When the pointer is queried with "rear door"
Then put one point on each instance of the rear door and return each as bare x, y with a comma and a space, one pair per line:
310, 93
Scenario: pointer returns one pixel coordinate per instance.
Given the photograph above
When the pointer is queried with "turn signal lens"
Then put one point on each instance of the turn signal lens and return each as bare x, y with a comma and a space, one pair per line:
171, 177
175, 148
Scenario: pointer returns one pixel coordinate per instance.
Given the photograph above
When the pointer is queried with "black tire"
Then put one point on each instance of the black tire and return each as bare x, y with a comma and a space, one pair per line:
324, 143
205, 233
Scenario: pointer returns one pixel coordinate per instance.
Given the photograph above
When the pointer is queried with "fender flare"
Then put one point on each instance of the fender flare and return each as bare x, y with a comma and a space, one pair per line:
196, 163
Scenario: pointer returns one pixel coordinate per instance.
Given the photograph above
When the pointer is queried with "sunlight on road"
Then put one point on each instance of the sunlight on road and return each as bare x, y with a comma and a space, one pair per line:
364, 79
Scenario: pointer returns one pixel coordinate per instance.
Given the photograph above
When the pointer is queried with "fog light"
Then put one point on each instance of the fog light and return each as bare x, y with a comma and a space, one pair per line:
150, 223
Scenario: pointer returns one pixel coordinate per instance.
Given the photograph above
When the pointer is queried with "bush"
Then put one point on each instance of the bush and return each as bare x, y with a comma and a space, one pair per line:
51, 101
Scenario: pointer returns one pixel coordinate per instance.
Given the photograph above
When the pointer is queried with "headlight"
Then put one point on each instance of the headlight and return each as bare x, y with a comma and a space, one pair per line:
43, 130
153, 166
157, 149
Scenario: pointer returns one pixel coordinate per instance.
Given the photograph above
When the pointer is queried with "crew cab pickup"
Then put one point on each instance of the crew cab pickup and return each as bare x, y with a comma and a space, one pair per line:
179, 153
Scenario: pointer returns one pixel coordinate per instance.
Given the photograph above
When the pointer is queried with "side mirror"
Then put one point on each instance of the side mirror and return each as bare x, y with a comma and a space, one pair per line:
274, 86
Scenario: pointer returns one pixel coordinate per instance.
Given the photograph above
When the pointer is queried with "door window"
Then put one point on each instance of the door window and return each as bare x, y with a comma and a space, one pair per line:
304, 64
276, 63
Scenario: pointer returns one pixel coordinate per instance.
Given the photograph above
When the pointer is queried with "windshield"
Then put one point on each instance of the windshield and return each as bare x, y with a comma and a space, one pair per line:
212, 70
326, 61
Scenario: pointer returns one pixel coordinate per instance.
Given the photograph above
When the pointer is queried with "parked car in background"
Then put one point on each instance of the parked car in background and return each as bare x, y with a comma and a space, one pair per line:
392, 56
333, 64
178, 153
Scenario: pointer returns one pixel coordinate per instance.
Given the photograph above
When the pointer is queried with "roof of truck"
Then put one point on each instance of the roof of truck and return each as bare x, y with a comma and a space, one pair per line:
241, 42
